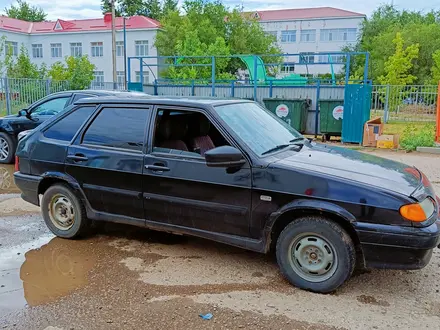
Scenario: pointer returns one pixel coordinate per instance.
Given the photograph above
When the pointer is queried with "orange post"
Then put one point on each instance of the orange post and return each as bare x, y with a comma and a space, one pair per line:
437, 130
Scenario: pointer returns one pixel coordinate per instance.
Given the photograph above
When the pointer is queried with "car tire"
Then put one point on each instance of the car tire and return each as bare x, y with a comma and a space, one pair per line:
8, 145
64, 213
315, 254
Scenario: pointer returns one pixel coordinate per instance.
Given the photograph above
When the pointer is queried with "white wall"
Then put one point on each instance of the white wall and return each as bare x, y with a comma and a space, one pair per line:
103, 63
317, 45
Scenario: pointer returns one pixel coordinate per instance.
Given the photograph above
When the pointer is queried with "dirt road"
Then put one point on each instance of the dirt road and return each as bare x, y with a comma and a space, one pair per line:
128, 278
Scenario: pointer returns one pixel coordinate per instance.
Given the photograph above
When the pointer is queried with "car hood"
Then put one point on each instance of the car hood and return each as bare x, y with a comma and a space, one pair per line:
352, 165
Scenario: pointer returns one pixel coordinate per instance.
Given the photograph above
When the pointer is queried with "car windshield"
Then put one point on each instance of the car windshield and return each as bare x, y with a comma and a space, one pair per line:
262, 131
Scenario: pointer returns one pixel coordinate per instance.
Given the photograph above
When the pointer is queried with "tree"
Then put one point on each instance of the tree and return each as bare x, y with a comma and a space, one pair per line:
378, 32
209, 29
149, 8
168, 6
22, 67
435, 70
26, 12
398, 66
78, 71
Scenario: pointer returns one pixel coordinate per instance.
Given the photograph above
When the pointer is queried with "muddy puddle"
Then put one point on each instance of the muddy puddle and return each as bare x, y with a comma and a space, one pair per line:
7, 185
41, 272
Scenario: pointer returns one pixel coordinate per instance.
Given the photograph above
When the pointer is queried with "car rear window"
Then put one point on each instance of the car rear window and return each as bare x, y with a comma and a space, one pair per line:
118, 128
66, 128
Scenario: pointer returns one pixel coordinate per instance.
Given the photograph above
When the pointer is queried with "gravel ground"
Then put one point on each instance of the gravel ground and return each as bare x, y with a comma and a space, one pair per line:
128, 278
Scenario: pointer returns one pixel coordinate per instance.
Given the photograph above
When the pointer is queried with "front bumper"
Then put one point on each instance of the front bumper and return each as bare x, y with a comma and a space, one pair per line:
396, 247
28, 184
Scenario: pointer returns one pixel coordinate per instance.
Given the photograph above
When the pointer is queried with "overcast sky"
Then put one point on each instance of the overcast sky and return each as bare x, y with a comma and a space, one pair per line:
77, 9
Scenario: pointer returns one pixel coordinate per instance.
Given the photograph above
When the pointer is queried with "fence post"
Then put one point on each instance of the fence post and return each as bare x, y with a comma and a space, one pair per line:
7, 96
155, 87
213, 76
270, 88
318, 86
47, 86
193, 92
232, 89
255, 77
437, 130
387, 99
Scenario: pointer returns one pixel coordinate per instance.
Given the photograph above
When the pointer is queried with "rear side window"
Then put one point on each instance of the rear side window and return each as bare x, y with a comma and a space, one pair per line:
118, 128
66, 128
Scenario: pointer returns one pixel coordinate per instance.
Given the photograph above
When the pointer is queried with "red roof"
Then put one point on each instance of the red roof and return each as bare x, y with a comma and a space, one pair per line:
83, 25
304, 13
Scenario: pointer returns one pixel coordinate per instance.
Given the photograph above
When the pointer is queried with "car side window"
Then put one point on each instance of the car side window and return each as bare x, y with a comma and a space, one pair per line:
80, 96
51, 107
122, 128
186, 133
66, 128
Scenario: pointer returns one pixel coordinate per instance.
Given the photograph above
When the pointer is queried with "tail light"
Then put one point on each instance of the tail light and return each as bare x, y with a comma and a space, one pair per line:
17, 164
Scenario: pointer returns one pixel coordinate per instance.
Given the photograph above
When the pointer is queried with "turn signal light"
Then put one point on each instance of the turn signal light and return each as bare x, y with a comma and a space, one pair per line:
418, 212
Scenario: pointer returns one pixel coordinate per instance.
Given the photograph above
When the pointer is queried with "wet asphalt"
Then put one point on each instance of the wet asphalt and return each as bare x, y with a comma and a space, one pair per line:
124, 277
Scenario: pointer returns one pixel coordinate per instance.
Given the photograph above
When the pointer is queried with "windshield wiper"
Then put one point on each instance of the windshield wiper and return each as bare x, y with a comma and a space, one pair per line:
298, 139
278, 147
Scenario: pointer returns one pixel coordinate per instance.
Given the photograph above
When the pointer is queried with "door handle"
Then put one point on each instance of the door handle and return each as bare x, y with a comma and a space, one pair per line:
77, 158
157, 168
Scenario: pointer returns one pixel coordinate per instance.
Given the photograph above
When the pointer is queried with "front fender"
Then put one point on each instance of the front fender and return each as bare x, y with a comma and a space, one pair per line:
309, 205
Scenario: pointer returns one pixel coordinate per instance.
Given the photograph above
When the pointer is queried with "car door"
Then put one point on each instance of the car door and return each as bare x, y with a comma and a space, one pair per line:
45, 109
106, 159
180, 189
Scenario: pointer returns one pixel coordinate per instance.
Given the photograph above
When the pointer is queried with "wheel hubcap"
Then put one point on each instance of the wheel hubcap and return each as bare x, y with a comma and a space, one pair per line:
312, 257
4, 149
61, 212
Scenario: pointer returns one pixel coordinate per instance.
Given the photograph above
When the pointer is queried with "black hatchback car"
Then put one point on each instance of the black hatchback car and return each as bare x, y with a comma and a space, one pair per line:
229, 171
38, 112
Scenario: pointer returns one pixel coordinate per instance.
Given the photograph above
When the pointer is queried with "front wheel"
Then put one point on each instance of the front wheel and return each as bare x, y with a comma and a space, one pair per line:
64, 213
315, 254
7, 149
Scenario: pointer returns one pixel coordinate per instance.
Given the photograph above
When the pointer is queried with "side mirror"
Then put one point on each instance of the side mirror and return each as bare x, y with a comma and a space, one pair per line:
225, 156
22, 112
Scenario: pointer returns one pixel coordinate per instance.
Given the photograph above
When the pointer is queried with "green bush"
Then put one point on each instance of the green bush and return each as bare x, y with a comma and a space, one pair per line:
417, 136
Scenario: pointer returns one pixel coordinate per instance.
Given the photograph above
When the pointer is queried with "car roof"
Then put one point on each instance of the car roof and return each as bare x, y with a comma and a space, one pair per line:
139, 98
100, 92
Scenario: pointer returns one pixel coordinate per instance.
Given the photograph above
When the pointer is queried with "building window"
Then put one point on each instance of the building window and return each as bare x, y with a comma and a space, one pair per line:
98, 78
56, 50
308, 35
97, 49
331, 59
120, 77
306, 58
76, 49
145, 75
141, 47
37, 51
288, 36
288, 68
338, 35
11, 47
119, 48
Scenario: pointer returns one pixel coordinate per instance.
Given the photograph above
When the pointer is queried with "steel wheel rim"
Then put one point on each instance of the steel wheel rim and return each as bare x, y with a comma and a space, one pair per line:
312, 257
61, 212
4, 149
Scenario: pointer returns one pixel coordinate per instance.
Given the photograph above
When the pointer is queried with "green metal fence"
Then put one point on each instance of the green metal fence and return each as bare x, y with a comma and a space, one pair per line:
16, 94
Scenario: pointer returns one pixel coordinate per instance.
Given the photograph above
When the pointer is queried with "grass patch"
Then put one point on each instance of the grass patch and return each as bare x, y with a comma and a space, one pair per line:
399, 128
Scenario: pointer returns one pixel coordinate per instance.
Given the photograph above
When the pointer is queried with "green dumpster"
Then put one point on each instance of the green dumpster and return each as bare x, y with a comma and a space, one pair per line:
330, 118
293, 111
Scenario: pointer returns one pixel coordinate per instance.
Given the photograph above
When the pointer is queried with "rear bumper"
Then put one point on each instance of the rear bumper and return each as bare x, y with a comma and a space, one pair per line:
28, 184
396, 247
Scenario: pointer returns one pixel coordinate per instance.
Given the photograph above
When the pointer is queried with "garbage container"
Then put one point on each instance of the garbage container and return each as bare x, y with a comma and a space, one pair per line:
293, 111
330, 118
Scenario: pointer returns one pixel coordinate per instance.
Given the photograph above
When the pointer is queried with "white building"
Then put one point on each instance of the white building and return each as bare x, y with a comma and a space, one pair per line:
309, 31
49, 42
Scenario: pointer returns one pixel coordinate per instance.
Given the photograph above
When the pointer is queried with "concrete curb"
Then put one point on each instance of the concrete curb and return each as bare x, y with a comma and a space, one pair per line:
429, 150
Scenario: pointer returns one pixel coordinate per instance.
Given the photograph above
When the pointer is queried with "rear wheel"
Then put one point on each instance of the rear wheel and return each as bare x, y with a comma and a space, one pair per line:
64, 212
315, 254
7, 149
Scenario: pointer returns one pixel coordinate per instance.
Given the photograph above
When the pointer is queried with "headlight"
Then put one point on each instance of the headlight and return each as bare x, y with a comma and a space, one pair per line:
418, 212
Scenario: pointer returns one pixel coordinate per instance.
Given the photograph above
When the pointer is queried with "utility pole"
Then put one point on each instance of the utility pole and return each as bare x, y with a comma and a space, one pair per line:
114, 44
